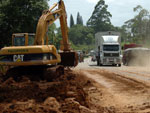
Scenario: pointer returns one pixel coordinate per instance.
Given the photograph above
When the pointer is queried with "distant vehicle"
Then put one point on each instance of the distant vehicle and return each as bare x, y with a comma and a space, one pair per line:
93, 58
136, 56
108, 48
80, 55
92, 52
132, 45
93, 55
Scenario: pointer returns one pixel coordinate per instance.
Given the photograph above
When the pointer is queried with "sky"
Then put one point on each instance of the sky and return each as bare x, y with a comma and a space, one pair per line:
121, 10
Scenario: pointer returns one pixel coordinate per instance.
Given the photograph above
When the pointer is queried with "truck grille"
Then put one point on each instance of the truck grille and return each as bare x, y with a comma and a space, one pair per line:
111, 54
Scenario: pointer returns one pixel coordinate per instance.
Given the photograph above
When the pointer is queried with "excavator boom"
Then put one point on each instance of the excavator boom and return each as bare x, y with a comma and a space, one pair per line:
49, 17
68, 57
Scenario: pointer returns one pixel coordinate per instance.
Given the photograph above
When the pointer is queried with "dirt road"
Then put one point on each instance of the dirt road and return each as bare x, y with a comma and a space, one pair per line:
85, 89
125, 89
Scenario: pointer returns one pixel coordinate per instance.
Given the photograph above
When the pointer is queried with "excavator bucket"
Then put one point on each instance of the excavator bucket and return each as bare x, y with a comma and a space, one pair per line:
69, 59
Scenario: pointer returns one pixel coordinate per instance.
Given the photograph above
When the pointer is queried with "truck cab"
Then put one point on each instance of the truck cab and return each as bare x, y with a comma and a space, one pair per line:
108, 48
110, 54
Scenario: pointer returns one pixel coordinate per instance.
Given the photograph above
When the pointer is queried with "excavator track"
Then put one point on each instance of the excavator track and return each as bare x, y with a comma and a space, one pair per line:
35, 73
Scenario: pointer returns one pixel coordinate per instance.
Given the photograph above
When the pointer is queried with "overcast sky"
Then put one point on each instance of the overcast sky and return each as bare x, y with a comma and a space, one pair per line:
121, 10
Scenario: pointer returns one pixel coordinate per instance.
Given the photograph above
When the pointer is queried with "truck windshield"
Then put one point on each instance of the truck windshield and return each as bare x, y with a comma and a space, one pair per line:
111, 47
19, 41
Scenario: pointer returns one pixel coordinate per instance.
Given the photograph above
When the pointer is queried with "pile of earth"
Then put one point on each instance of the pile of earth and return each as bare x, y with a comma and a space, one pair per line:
66, 94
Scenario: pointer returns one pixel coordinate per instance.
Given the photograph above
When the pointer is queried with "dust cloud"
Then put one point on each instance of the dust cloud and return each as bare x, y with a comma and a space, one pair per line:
139, 57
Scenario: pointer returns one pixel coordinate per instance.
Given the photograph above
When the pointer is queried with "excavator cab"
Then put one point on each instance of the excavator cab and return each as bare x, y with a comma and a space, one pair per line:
23, 39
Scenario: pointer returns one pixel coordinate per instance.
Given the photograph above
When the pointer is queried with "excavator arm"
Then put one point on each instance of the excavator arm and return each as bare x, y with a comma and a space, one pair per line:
64, 28
68, 57
49, 17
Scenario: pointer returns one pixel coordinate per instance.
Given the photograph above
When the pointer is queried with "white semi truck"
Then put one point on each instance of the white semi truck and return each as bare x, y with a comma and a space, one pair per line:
108, 48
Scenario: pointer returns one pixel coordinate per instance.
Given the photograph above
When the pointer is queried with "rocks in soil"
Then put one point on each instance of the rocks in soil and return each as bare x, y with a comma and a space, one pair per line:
52, 103
65, 93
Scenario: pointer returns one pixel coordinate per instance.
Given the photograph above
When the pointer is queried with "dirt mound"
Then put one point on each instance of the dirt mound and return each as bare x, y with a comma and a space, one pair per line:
64, 94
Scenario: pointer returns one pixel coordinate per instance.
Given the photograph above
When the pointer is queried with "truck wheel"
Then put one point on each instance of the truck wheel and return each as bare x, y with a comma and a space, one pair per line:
97, 63
119, 65
115, 64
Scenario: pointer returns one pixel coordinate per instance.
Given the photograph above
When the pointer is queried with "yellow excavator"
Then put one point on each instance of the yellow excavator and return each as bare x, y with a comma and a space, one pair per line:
31, 54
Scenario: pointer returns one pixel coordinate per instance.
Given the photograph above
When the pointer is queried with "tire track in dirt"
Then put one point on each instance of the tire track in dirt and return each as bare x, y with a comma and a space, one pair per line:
119, 91
141, 74
123, 76
125, 89
137, 77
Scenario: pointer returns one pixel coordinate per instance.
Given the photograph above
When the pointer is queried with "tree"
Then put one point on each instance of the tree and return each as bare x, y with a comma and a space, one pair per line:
81, 35
51, 34
100, 19
58, 37
79, 19
139, 26
19, 16
71, 21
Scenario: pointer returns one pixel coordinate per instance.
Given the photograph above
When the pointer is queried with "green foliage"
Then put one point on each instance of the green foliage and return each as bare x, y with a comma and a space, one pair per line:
138, 27
81, 35
58, 38
83, 47
51, 33
79, 19
19, 16
100, 19
71, 21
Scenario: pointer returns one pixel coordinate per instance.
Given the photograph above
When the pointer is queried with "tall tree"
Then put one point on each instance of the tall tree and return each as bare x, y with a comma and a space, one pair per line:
71, 21
139, 26
79, 19
80, 34
100, 19
19, 16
